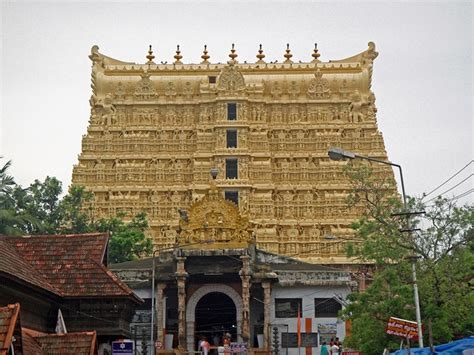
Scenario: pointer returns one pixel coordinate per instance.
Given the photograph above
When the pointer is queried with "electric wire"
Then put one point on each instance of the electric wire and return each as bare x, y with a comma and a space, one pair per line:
462, 195
448, 180
457, 197
452, 188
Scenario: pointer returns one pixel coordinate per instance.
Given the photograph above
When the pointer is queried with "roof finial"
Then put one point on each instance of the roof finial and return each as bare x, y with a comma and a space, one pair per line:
288, 55
260, 55
315, 54
150, 56
232, 54
205, 56
178, 56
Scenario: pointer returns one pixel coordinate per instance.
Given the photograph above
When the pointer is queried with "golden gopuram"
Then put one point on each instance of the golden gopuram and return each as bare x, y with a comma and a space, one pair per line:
157, 130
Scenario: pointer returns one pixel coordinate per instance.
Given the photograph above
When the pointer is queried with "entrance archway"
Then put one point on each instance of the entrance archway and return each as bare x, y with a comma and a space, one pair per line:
215, 316
193, 303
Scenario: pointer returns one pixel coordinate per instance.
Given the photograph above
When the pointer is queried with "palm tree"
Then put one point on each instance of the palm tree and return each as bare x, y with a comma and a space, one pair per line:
6, 186
12, 222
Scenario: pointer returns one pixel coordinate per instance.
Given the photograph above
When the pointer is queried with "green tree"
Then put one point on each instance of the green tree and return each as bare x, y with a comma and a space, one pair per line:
76, 211
42, 202
127, 240
13, 221
445, 266
39, 209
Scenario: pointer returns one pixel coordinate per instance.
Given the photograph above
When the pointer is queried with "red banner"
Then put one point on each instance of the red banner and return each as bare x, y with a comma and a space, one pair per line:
402, 328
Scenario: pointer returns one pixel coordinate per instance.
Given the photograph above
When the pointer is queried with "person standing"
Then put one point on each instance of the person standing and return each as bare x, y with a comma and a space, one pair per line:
227, 341
205, 346
324, 349
334, 350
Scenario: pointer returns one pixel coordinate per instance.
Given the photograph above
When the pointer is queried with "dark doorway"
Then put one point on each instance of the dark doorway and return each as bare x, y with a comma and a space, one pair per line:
215, 316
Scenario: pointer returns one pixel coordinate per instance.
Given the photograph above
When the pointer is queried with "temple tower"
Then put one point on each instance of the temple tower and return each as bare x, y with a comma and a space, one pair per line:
156, 130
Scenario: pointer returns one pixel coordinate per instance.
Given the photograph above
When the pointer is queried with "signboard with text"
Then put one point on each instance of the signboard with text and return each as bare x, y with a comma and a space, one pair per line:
238, 347
122, 347
290, 340
402, 328
327, 332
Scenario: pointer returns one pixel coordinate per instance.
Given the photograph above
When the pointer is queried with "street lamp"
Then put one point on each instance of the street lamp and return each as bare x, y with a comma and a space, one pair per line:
341, 154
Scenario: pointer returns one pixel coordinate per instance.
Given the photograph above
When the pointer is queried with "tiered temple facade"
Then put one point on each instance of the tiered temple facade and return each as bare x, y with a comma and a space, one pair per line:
156, 130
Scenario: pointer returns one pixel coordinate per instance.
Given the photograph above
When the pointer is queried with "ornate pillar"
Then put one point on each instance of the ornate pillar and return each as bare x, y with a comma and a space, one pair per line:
245, 275
266, 285
181, 275
160, 312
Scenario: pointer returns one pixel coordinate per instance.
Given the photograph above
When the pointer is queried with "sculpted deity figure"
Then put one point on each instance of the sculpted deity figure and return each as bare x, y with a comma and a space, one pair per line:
120, 91
102, 110
170, 90
220, 139
356, 108
319, 87
243, 111
371, 109
276, 89
230, 80
293, 89
188, 90
243, 173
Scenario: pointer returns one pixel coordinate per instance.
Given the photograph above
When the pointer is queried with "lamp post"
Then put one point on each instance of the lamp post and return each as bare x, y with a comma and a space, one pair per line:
341, 154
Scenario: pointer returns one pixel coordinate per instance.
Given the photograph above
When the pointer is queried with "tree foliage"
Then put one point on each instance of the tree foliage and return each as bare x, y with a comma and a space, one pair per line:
128, 241
39, 209
443, 243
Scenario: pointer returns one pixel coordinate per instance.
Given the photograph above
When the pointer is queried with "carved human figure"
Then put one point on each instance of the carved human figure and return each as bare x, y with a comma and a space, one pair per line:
103, 107
243, 170
188, 90
220, 139
243, 139
356, 108
170, 90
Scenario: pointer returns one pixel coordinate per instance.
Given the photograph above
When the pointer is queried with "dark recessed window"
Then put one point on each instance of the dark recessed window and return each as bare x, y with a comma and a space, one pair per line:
287, 307
212, 80
231, 169
326, 307
231, 111
231, 138
232, 196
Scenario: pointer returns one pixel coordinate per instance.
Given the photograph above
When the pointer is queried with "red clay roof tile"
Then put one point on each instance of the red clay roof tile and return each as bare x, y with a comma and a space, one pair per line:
29, 344
8, 317
72, 264
79, 343
14, 265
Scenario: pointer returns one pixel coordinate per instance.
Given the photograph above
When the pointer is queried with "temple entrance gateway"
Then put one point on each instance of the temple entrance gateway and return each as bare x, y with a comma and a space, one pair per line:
215, 316
194, 303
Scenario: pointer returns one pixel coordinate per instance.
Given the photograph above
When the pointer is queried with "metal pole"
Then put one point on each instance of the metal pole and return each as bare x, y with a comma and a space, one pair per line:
413, 265
152, 335
415, 286
417, 305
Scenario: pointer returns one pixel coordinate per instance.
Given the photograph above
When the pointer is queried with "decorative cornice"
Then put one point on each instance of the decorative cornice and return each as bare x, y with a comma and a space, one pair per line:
351, 64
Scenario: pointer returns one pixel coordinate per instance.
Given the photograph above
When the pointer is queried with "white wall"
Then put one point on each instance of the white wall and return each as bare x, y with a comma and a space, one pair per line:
307, 294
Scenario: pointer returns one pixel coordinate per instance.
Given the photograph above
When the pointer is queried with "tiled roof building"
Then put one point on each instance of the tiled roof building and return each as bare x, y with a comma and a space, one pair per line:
67, 265
46, 273
83, 343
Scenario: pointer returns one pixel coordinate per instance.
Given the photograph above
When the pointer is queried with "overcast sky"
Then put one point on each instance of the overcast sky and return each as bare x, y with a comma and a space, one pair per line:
422, 79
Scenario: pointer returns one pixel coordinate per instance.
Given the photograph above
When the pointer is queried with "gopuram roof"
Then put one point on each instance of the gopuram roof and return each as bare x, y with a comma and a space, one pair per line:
112, 65
157, 128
